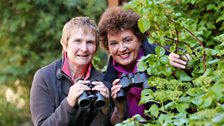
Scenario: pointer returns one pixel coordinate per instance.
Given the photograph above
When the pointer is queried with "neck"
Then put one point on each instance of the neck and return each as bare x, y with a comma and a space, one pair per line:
130, 67
78, 71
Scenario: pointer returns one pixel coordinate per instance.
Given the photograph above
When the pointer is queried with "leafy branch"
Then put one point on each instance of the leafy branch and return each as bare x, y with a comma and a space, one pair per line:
195, 98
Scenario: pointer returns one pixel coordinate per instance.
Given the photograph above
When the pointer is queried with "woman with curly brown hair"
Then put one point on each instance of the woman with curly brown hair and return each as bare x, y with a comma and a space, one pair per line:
121, 37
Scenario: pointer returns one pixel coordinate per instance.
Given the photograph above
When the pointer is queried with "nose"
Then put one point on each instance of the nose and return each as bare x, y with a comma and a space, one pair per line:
122, 47
83, 47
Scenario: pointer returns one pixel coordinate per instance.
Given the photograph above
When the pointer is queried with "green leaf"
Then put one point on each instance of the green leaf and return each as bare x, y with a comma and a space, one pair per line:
211, 6
154, 110
221, 18
168, 71
141, 65
213, 61
211, 25
119, 124
192, 1
218, 118
185, 77
164, 60
181, 107
207, 101
185, 99
195, 92
169, 106
165, 118
146, 96
149, 71
217, 90
143, 24
139, 118
160, 51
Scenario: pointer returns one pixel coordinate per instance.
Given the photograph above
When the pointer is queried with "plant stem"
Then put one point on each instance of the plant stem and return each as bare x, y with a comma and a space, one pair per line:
148, 34
177, 41
201, 43
196, 38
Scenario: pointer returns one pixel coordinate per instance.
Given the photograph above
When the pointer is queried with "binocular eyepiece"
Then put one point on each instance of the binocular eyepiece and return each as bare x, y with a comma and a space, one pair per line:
138, 79
91, 97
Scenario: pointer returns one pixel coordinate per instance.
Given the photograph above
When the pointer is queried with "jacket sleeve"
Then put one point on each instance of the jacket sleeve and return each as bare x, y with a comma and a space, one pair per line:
42, 105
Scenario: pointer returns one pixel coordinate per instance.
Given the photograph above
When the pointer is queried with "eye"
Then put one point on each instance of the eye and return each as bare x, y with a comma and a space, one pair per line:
128, 39
113, 43
77, 40
90, 42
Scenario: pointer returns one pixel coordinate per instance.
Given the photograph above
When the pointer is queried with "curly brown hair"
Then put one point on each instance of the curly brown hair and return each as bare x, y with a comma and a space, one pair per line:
116, 19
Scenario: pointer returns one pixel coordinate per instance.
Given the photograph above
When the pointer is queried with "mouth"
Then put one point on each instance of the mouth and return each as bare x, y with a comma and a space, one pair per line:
83, 55
124, 55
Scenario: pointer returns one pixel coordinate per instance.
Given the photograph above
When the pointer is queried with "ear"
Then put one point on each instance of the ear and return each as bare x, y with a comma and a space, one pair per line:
64, 48
108, 51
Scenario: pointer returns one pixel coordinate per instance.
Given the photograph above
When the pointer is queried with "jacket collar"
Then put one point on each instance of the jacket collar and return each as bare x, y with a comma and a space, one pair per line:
60, 74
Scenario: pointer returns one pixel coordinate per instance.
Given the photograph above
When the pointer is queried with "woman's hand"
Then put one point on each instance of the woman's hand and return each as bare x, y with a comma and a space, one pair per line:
179, 61
76, 90
104, 91
119, 109
119, 106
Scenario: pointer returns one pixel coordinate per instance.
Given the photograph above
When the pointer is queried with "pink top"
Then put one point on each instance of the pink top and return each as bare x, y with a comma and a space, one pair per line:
134, 94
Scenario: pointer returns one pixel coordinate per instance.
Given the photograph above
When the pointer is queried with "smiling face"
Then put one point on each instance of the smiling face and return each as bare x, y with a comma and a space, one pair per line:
124, 47
81, 47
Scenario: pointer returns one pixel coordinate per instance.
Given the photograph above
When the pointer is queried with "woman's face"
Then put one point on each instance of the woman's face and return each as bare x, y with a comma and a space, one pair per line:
124, 47
81, 48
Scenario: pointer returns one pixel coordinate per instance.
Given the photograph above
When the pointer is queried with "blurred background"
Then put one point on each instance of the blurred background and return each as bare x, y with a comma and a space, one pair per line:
30, 32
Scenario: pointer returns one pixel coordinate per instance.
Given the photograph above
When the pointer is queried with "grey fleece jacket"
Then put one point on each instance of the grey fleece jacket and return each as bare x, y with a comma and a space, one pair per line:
48, 103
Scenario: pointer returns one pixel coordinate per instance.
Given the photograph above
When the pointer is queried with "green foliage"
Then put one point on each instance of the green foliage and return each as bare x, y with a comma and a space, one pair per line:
194, 96
132, 121
30, 32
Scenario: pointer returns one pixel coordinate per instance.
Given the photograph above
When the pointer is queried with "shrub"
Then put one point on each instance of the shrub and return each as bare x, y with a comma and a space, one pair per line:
196, 96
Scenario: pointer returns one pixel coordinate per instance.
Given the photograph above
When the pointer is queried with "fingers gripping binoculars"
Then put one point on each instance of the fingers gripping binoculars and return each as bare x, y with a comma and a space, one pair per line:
88, 98
138, 79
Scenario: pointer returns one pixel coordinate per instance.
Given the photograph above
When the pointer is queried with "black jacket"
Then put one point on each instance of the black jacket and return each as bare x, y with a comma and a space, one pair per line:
48, 103
111, 74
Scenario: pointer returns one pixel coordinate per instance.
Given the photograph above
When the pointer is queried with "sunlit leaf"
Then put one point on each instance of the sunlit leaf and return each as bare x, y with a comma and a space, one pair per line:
143, 24
154, 110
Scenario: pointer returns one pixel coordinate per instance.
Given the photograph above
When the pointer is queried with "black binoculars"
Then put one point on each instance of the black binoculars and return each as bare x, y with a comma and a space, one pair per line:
138, 79
88, 98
